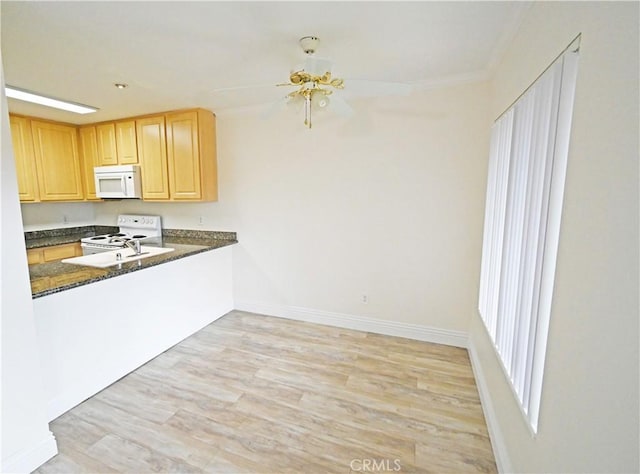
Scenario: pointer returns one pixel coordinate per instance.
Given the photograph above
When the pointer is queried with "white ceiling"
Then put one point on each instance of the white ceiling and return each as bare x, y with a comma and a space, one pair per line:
189, 54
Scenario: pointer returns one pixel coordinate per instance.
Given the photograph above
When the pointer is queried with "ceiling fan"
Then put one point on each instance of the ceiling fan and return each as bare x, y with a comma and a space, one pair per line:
315, 85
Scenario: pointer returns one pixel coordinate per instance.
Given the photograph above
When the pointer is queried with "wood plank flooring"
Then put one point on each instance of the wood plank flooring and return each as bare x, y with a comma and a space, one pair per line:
257, 394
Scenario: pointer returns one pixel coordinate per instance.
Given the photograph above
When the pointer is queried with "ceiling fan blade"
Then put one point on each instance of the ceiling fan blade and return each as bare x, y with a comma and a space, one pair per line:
291, 100
295, 102
340, 106
273, 108
364, 88
240, 88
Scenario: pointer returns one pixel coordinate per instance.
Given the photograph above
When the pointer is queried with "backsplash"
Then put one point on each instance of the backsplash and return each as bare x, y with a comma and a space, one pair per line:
54, 215
175, 215
197, 216
58, 232
200, 234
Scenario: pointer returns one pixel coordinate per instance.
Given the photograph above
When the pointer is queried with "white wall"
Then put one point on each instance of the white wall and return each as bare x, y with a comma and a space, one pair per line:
38, 216
112, 342
589, 412
388, 203
25, 439
174, 215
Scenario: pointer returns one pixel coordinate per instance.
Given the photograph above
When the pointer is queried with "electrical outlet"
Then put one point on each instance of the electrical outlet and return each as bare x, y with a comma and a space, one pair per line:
201, 220
364, 299
65, 219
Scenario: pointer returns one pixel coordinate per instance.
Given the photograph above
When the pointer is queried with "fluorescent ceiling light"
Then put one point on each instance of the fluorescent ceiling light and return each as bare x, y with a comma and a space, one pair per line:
27, 96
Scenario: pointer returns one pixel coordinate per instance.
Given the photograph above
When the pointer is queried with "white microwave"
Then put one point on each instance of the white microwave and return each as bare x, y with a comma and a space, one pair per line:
118, 182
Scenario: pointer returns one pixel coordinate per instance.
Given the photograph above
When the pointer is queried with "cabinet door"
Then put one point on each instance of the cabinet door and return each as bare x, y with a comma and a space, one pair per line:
107, 151
191, 155
24, 158
183, 156
88, 148
126, 142
40, 284
208, 155
34, 256
59, 252
152, 153
57, 161
53, 253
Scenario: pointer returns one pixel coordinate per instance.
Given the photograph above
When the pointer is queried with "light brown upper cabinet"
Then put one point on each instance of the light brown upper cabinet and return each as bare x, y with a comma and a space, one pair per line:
24, 159
126, 142
117, 143
176, 152
152, 152
106, 136
57, 161
88, 149
191, 155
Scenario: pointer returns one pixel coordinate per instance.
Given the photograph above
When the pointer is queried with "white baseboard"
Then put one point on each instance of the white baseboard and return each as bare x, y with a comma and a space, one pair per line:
360, 323
28, 460
495, 433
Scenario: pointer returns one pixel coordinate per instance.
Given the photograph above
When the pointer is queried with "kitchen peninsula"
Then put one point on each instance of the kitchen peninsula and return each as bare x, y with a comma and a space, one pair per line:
95, 325
52, 277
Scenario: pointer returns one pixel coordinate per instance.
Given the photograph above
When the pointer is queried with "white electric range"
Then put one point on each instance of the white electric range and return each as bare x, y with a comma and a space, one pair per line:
144, 228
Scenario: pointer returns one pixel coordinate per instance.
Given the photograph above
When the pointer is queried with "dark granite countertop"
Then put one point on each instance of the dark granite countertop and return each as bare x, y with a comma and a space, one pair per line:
66, 235
53, 277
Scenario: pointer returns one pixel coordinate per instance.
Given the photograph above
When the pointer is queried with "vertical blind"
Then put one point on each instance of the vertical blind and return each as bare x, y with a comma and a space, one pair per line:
528, 156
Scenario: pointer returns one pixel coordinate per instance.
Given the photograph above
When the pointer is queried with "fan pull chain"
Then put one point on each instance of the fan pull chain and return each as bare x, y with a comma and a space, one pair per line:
307, 110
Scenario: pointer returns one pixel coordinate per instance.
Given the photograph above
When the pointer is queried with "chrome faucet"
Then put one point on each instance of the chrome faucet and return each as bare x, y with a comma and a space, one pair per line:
133, 244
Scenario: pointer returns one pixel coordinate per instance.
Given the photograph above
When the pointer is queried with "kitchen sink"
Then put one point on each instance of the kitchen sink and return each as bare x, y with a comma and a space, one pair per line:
110, 258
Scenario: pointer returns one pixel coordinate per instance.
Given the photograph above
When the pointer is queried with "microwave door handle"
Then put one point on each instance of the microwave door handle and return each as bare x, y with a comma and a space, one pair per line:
123, 186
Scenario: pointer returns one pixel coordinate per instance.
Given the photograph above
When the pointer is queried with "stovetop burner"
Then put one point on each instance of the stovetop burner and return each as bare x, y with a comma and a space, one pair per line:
119, 235
131, 227
114, 239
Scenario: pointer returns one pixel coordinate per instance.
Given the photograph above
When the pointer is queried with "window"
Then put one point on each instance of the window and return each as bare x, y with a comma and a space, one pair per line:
528, 158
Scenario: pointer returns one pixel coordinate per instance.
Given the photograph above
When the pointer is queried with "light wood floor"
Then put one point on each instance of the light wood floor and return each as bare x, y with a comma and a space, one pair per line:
256, 394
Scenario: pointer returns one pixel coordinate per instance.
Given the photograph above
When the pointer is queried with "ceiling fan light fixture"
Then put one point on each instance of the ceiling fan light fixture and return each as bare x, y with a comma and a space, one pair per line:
320, 99
314, 83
